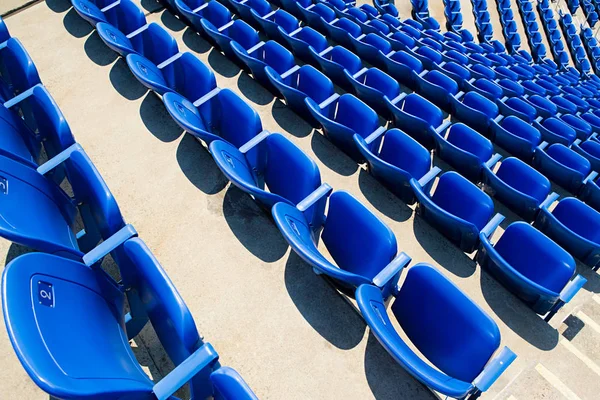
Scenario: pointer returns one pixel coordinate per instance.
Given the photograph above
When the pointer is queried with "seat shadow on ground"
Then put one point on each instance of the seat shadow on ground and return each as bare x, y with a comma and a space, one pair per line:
58, 6
382, 199
322, 306
253, 90
332, 156
198, 166
253, 226
289, 121
387, 379
157, 119
75, 25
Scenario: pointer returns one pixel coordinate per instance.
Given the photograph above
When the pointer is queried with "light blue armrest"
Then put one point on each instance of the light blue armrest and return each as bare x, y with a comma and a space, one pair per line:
169, 60
590, 177
250, 144
429, 176
98, 252
361, 72
327, 50
138, 31
549, 200
255, 47
390, 270
422, 74
493, 224
204, 357
539, 120
58, 159
577, 142
499, 118
290, 71
398, 98
503, 100
443, 127
21, 96
458, 95
542, 145
376, 133
329, 100
322, 191
494, 369
493, 160
571, 289
207, 97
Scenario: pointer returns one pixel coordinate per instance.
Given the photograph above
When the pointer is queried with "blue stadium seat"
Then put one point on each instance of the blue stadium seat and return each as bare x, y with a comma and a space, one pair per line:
17, 71
335, 62
193, 11
375, 88
272, 22
457, 361
553, 130
61, 292
151, 41
270, 54
305, 42
183, 73
300, 83
396, 161
363, 248
234, 31
403, 67
590, 149
341, 117
270, 161
562, 165
38, 213
438, 88
531, 265
457, 208
476, 111
516, 136
575, 226
124, 15
220, 114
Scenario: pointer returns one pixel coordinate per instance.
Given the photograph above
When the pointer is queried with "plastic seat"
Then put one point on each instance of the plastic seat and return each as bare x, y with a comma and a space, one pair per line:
303, 40
270, 54
335, 61
125, 15
151, 41
396, 161
516, 185
341, 117
517, 107
220, 114
244, 9
403, 67
362, 247
532, 266
465, 150
235, 31
485, 87
593, 120
33, 127
515, 136
417, 117
582, 128
340, 31
269, 162
562, 165
317, 15
273, 21
590, 192
437, 88
293, 6
476, 111
62, 292
183, 73
590, 149
443, 366
375, 88
457, 208
17, 71
372, 48
575, 226
386, 7
195, 10
4, 33
563, 105
38, 213
300, 83
553, 130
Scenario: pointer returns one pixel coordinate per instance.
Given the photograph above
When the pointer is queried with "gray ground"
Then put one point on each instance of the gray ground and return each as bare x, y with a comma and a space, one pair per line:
283, 328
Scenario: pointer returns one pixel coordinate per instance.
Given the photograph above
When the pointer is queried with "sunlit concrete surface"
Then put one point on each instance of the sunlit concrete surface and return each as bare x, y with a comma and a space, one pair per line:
288, 333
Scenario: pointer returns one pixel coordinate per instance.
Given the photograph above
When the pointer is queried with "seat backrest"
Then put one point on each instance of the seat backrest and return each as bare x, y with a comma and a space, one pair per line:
522, 129
579, 217
577, 123
155, 43
289, 172
470, 141
410, 61
190, 77
569, 158
446, 326
242, 33
276, 56
215, 13
478, 102
349, 26
536, 256
404, 152
127, 17
377, 79
543, 102
488, 86
356, 115
421, 108
463, 199
314, 83
378, 42
457, 69
592, 147
437, 78
358, 241
285, 20
313, 38
17, 71
345, 58
524, 178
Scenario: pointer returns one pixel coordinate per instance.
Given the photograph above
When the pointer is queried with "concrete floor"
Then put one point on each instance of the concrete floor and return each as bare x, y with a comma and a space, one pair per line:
283, 328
